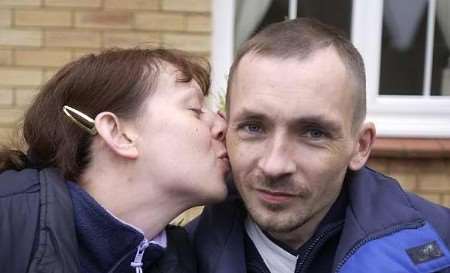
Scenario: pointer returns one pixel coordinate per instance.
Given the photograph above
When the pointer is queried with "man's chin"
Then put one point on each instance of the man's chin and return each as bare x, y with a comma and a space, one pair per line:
273, 223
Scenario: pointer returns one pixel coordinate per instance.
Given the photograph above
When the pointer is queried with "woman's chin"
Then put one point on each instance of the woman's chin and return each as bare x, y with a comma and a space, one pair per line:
217, 195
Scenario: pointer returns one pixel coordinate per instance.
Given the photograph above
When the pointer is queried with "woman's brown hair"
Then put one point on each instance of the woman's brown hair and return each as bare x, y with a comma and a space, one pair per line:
116, 80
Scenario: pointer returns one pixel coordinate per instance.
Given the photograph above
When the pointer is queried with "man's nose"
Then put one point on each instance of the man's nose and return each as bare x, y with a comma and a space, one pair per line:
277, 160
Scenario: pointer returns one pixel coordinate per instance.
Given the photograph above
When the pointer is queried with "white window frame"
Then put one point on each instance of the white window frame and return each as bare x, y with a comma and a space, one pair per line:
394, 116
222, 48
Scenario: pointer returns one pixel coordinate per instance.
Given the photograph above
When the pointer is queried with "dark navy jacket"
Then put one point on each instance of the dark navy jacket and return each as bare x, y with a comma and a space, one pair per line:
386, 230
38, 232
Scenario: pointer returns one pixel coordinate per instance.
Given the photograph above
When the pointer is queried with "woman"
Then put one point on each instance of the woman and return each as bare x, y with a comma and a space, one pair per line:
118, 145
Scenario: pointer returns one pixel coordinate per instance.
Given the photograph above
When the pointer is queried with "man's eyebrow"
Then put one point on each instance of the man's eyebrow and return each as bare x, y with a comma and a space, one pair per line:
311, 120
246, 114
317, 120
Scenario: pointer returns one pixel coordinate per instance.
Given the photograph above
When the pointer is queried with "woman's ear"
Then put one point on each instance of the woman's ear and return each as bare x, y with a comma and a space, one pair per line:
115, 135
364, 141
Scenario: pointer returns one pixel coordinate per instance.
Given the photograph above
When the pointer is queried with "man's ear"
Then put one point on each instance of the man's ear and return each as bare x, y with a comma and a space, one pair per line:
115, 135
364, 141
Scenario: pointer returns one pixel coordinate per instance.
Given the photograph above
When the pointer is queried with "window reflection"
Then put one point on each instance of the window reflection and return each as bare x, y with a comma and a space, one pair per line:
253, 15
404, 46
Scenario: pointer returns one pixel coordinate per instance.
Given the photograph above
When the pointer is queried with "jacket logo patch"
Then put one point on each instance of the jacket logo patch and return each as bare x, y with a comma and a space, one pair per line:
425, 253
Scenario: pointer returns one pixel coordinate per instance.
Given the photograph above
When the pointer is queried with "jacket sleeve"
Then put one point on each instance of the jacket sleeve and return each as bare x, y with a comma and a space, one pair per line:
19, 214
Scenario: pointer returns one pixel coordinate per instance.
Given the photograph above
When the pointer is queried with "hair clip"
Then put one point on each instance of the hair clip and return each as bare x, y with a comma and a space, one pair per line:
80, 119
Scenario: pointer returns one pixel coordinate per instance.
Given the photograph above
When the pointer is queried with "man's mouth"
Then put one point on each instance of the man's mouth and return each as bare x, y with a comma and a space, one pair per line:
275, 197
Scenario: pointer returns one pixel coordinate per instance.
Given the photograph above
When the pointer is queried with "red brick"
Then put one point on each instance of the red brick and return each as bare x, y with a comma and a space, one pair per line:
42, 57
199, 23
388, 147
160, 21
43, 17
107, 19
131, 39
73, 3
423, 148
73, 39
412, 148
132, 4
188, 42
187, 5
445, 144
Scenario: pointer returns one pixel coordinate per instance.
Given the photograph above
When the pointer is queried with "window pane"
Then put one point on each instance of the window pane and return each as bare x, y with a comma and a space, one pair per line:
440, 84
253, 15
335, 13
403, 47
277, 12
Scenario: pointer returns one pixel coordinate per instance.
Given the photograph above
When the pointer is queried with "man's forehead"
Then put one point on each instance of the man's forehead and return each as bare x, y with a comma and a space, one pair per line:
291, 89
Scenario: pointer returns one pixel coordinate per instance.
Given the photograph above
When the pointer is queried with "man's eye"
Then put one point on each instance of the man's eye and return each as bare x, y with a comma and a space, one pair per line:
251, 128
315, 133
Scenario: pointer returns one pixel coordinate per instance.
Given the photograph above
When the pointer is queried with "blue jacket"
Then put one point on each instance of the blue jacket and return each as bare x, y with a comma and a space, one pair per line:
385, 230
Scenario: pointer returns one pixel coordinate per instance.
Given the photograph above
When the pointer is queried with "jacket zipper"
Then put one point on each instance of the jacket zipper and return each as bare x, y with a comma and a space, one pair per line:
137, 263
307, 257
393, 230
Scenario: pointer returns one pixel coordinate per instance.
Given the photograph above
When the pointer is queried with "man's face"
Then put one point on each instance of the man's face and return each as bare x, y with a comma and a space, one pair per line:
290, 137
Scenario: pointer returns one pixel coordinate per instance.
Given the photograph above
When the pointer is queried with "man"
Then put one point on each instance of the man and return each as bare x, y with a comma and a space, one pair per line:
298, 142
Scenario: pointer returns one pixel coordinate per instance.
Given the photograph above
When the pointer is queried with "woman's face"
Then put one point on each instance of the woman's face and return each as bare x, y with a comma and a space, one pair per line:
180, 144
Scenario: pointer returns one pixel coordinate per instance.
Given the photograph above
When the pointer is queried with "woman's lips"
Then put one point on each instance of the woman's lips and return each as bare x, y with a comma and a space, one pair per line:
225, 162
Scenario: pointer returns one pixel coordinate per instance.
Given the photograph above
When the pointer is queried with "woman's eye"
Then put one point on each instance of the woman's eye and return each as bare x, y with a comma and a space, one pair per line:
197, 111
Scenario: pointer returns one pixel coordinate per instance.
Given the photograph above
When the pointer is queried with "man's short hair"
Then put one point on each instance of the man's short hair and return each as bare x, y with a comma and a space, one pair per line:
298, 39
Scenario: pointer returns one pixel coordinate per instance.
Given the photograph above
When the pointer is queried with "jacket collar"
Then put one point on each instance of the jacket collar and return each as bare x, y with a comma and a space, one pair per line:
377, 206
106, 243
56, 227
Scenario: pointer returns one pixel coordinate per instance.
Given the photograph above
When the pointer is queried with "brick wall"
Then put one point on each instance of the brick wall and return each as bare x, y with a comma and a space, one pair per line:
428, 177
39, 36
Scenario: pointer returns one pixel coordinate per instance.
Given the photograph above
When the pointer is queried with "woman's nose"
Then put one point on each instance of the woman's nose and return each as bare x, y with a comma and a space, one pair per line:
219, 127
